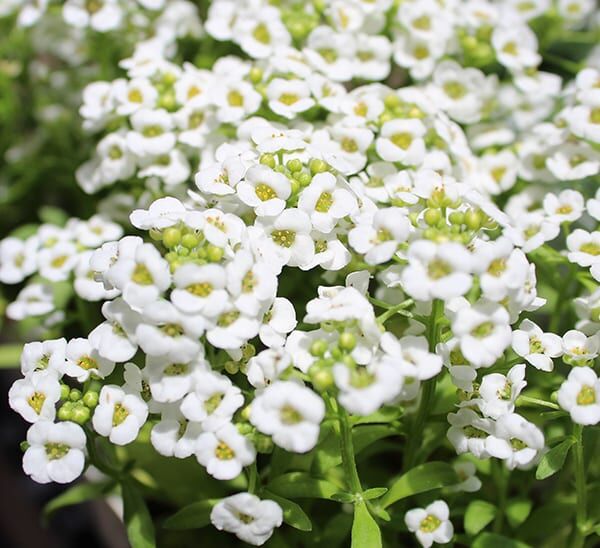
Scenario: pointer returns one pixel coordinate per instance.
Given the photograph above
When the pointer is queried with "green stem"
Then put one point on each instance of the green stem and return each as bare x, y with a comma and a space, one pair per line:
252, 472
537, 401
347, 449
580, 487
501, 481
397, 309
428, 389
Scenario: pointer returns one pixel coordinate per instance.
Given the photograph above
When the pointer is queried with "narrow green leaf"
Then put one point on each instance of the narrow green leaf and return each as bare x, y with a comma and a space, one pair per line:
302, 485
343, 497
52, 215
554, 459
292, 513
374, 493
517, 511
479, 513
365, 531
138, 522
193, 516
77, 494
426, 477
492, 540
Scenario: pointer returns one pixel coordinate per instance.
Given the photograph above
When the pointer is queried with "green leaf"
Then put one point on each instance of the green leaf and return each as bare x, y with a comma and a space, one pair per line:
138, 522
292, 513
365, 531
428, 476
492, 540
77, 494
554, 459
10, 355
374, 493
517, 511
193, 516
479, 513
302, 485
53, 215
343, 497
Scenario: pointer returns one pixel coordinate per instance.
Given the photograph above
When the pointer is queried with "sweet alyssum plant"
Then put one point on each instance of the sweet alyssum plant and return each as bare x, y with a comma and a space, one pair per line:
342, 281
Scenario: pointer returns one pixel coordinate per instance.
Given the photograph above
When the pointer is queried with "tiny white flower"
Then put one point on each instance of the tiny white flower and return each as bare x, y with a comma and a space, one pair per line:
152, 133
56, 452
48, 355
174, 436
498, 392
584, 247
83, 361
535, 346
17, 259
32, 300
265, 190
430, 524
200, 289
252, 520
290, 413
580, 395
516, 441
35, 396
288, 98
119, 415
402, 141
224, 452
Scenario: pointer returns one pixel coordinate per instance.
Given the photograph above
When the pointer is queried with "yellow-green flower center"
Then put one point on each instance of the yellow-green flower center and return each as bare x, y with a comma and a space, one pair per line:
87, 363
324, 202
430, 524
36, 401
288, 98
224, 452
120, 413
289, 415
284, 238
591, 248
152, 131
55, 451
141, 275
402, 140
235, 98
176, 369
261, 34
211, 404
202, 289
437, 269
265, 192
483, 330
586, 396
226, 319
454, 89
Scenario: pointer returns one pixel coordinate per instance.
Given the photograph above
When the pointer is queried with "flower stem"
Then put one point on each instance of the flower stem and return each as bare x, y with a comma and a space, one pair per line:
581, 488
428, 390
252, 472
347, 449
536, 401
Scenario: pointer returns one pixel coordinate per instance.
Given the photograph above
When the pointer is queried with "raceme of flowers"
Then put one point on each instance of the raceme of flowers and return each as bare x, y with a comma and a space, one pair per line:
414, 159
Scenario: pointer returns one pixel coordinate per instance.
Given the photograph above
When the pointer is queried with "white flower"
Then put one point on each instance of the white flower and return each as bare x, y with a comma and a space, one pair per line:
115, 339
567, 206
85, 284
17, 259
33, 300
141, 277
266, 366
515, 440
469, 432
578, 347
278, 321
55, 263
164, 330
498, 392
55, 452
83, 361
163, 213
35, 396
152, 133
466, 471
580, 395
224, 452
169, 381
584, 247
331, 53
235, 99
133, 95
213, 401
326, 201
200, 289
290, 413
430, 524
288, 98
252, 520
378, 239
174, 436
260, 32
289, 237
436, 271
402, 141
48, 355
484, 332
265, 190
171, 168
535, 346
119, 415
232, 328
102, 16
516, 47
222, 177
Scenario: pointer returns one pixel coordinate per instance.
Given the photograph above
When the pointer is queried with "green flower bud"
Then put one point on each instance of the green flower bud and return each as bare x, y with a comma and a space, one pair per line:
155, 234
336, 353
75, 394
244, 428
189, 240
171, 237
304, 178
267, 160
349, 361
231, 367
294, 165
473, 219
24, 445
322, 379
456, 217
255, 75
347, 341
248, 351
80, 414
214, 254
391, 101
432, 216
64, 391
264, 444
317, 166
184, 252
90, 399
65, 410
318, 347
245, 414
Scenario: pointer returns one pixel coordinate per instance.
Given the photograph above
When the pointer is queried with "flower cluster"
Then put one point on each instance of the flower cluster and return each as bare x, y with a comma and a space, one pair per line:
401, 160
